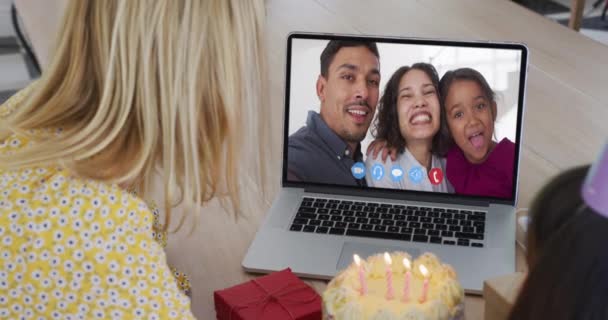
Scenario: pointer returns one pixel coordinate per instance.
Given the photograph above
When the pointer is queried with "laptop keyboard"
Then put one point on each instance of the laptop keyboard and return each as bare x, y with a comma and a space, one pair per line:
387, 221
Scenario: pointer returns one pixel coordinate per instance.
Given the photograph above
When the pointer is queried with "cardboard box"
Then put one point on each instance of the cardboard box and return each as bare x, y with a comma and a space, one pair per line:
500, 295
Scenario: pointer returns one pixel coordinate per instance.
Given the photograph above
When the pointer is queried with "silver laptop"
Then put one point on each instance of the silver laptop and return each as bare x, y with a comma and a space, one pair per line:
452, 188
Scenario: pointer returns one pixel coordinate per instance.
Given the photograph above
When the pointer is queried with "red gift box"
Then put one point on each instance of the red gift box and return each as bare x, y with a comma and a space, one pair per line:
279, 295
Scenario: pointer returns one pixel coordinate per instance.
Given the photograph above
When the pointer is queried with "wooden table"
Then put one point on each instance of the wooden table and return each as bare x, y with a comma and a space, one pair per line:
566, 110
564, 119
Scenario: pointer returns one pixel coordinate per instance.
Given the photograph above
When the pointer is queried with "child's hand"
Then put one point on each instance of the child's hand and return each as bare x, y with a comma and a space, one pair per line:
380, 145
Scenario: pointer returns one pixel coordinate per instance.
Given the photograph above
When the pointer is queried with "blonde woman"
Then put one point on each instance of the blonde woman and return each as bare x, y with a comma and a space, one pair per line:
134, 87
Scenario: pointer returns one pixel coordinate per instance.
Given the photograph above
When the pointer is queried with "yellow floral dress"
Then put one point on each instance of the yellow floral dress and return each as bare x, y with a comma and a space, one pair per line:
73, 248
161, 237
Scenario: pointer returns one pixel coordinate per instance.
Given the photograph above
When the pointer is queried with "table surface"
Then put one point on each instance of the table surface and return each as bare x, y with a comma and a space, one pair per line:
563, 123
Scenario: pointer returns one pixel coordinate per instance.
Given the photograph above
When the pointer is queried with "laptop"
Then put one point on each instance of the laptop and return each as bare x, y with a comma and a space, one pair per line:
336, 201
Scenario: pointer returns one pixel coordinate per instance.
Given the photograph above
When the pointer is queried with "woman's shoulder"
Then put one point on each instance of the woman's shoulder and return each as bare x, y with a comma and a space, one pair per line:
370, 160
69, 204
117, 202
56, 187
12, 143
16, 141
98, 229
15, 100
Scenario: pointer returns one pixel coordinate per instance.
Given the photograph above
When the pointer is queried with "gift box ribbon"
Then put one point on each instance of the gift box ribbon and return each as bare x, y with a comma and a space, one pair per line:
279, 296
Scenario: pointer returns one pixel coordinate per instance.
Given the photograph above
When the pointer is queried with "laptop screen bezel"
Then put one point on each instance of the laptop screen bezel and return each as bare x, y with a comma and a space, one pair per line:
398, 193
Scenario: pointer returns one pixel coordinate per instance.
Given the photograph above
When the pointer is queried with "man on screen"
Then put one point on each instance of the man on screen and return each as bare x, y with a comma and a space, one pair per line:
325, 150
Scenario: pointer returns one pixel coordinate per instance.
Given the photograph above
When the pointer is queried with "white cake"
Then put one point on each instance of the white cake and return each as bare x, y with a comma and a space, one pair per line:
343, 299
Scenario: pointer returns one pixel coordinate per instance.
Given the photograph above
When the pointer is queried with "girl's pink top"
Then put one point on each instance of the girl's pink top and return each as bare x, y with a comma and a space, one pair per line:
493, 177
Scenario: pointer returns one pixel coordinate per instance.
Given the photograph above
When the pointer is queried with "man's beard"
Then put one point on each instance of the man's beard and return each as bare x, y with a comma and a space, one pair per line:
353, 137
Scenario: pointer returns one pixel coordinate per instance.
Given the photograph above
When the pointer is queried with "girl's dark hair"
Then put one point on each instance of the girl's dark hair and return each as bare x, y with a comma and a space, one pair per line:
552, 207
444, 87
567, 278
386, 124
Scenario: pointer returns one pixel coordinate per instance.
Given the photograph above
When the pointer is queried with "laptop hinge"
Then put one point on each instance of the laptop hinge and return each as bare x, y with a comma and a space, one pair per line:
437, 198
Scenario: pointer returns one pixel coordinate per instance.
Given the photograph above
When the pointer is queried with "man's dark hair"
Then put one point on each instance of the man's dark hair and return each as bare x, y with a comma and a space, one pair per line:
328, 54
386, 124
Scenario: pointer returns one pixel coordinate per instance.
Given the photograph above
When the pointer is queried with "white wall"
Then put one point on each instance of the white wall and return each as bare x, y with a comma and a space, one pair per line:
499, 67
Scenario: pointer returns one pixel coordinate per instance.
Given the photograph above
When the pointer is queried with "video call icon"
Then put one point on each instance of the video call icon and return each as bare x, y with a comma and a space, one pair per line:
415, 174
377, 172
358, 170
396, 173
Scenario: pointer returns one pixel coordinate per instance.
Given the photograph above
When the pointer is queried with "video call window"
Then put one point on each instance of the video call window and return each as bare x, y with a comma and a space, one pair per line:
450, 113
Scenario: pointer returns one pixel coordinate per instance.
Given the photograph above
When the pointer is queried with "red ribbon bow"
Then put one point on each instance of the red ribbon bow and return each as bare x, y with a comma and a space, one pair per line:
279, 296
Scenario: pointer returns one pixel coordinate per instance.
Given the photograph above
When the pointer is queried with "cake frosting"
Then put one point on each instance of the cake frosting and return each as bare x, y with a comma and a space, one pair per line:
343, 299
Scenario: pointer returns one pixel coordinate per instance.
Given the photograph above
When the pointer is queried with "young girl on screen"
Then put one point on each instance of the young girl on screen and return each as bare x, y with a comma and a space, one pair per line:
476, 163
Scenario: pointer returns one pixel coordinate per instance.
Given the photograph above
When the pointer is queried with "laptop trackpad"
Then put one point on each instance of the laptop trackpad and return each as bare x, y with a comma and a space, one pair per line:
365, 250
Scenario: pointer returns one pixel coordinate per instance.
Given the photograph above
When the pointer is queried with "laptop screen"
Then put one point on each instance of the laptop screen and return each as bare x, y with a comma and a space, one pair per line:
410, 115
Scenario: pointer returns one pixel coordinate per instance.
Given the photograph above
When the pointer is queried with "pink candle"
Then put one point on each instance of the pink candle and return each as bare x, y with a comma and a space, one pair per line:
389, 277
425, 285
362, 282
408, 275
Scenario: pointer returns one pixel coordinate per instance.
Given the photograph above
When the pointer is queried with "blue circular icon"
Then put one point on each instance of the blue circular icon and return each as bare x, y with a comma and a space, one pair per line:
415, 174
396, 173
358, 170
377, 171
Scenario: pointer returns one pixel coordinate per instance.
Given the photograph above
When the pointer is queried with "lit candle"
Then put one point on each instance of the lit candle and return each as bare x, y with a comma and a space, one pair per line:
425, 286
389, 276
362, 282
408, 275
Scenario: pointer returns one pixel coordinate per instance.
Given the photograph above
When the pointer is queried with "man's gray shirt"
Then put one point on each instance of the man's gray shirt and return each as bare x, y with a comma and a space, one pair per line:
316, 154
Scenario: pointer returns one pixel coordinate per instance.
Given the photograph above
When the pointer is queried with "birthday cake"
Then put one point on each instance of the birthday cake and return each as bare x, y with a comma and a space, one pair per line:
392, 286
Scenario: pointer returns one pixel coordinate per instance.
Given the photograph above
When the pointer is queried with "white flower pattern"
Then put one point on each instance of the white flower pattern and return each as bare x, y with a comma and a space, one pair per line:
62, 254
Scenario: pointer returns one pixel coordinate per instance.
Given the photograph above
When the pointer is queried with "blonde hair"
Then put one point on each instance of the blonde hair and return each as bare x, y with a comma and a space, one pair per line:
138, 86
